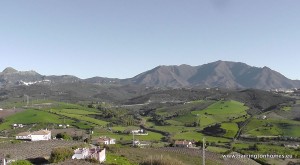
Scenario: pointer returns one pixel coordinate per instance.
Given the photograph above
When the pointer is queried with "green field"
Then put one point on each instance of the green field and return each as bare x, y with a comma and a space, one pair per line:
216, 149
186, 118
272, 127
231, 129
175, 123
192, 135
224, 108
84, 118
286, 108
152, 136
75, 111
173, 129
31, 116
57, 113
221, 111
116, 159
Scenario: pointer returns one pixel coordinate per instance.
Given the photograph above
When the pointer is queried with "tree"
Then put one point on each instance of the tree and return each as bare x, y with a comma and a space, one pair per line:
2, 120
64, 136
60, 154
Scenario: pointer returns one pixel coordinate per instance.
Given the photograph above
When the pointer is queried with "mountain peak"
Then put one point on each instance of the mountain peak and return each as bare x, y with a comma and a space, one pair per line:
9, 70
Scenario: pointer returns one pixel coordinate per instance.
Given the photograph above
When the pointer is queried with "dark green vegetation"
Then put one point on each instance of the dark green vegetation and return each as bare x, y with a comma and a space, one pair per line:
21, 162
60, 154
229, 121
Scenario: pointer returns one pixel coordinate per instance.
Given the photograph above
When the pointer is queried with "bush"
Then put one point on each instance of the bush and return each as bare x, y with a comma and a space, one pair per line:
161, 160
21, 162
64, 136
60, 154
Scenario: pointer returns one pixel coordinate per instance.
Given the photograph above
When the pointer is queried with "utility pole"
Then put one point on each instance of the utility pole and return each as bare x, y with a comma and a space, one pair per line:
198, 120
203, 151
27, 98
132, 139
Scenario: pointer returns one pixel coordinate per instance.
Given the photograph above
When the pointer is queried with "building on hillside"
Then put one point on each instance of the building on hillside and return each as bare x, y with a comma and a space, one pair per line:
17, 126
41, 135
90, 153
183, 143
141, 144
139, 132
34, 136
263, 117
105, 140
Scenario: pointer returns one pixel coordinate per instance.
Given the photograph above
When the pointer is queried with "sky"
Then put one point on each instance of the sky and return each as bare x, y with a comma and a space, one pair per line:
120, 39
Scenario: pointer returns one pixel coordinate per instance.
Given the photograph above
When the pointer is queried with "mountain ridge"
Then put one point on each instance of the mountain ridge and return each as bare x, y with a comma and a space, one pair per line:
225, 74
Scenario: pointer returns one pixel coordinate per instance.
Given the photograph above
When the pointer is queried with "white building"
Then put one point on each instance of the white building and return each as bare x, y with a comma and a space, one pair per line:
34, 136
183, 143
18, 126
139, 132
106, 140
86, 153
41, 135
141, 144
81, 153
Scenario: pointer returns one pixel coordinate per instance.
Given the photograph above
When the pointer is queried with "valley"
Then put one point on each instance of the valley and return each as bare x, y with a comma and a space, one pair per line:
229, 120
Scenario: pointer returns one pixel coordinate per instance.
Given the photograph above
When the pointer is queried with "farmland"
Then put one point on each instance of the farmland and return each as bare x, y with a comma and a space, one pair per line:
273, 127
217, 120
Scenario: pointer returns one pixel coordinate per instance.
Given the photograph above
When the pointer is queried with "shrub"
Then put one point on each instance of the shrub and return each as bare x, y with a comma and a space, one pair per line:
64, 136
60, 154
21, 162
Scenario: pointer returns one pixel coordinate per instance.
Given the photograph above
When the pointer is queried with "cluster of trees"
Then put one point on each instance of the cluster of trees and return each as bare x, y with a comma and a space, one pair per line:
214, 130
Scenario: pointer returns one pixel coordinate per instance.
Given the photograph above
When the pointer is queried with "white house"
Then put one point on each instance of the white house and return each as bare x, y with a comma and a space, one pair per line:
141, 144
34, 136
106, 140
139, 132
41, 135
89, 153
18, 126
183, 143
81, 153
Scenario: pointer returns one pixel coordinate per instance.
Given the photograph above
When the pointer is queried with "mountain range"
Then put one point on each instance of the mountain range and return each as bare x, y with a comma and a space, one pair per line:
223, 74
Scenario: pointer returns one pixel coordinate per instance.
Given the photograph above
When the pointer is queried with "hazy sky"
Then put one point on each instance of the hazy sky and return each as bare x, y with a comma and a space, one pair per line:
118, 38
